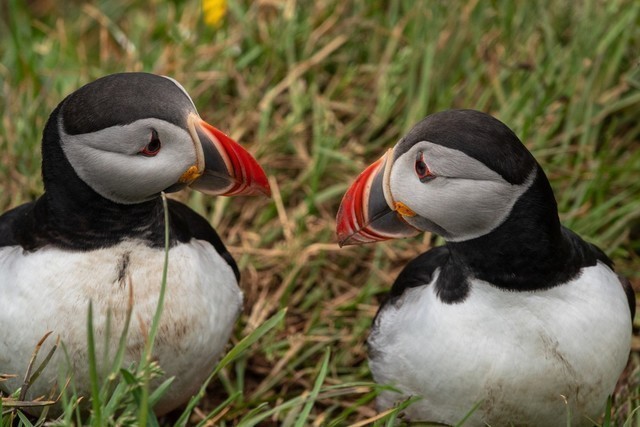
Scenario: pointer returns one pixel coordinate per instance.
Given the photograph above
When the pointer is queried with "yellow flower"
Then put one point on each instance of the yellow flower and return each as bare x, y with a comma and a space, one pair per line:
213, 11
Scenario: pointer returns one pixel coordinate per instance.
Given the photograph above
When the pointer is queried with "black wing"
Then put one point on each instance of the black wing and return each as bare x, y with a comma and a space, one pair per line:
590, 254
11, 222
187, 224
419, 271
631, 295
452, 286
624, 282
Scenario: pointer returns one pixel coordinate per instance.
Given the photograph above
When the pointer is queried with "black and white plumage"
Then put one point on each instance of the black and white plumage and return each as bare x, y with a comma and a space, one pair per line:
108, 151
516, 313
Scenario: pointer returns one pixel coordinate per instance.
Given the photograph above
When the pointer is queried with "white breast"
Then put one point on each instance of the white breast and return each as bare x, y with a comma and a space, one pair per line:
50, 289
522, 355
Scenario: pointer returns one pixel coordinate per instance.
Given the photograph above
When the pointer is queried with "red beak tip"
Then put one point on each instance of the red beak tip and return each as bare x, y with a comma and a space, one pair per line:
266, 191
265, 187
250, 178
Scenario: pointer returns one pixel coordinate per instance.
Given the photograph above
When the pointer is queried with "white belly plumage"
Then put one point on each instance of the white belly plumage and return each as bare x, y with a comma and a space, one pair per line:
526, 358
50, 290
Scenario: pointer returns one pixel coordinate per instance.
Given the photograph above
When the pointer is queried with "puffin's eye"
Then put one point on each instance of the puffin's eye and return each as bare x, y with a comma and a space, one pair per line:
153, 147
422, 170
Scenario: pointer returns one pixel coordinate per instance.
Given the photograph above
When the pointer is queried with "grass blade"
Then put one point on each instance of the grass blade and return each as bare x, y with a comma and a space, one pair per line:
219, 409
146, 358
311, 399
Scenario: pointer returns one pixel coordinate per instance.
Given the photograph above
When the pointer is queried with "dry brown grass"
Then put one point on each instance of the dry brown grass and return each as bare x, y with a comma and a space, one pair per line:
316, 91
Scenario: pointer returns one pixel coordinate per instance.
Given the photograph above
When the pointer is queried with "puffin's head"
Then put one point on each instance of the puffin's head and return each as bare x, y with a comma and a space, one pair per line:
130, 136
457, 173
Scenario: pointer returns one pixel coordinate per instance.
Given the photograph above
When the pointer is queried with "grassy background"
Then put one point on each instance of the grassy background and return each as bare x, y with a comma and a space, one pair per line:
316, 90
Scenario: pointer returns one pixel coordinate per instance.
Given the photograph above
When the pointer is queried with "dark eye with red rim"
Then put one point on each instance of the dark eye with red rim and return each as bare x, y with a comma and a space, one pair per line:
422, 170
154, 145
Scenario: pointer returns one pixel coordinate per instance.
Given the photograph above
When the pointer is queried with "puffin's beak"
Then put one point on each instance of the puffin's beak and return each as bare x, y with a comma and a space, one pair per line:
367, 212
223, 167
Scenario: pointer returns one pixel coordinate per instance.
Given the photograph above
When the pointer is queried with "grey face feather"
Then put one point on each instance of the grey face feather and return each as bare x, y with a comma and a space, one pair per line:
466, 200
108, 161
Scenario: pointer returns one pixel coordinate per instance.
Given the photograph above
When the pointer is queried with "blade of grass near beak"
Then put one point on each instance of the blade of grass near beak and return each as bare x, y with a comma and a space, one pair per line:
303, 418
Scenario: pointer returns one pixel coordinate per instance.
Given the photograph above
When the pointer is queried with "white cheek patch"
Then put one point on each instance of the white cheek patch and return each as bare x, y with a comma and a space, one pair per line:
466, 199
108, 161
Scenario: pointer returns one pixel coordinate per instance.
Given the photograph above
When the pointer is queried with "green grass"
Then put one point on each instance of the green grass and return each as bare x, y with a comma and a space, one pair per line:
316, 91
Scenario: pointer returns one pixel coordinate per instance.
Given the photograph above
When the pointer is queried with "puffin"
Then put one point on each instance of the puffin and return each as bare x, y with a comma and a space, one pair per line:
97, 235
515, 320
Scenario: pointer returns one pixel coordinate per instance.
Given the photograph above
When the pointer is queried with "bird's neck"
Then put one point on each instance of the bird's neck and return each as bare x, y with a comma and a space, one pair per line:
76, 219
528, 251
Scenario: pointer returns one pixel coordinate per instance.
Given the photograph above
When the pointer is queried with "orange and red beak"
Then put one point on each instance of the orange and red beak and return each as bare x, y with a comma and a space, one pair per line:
223, 167
368, 213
